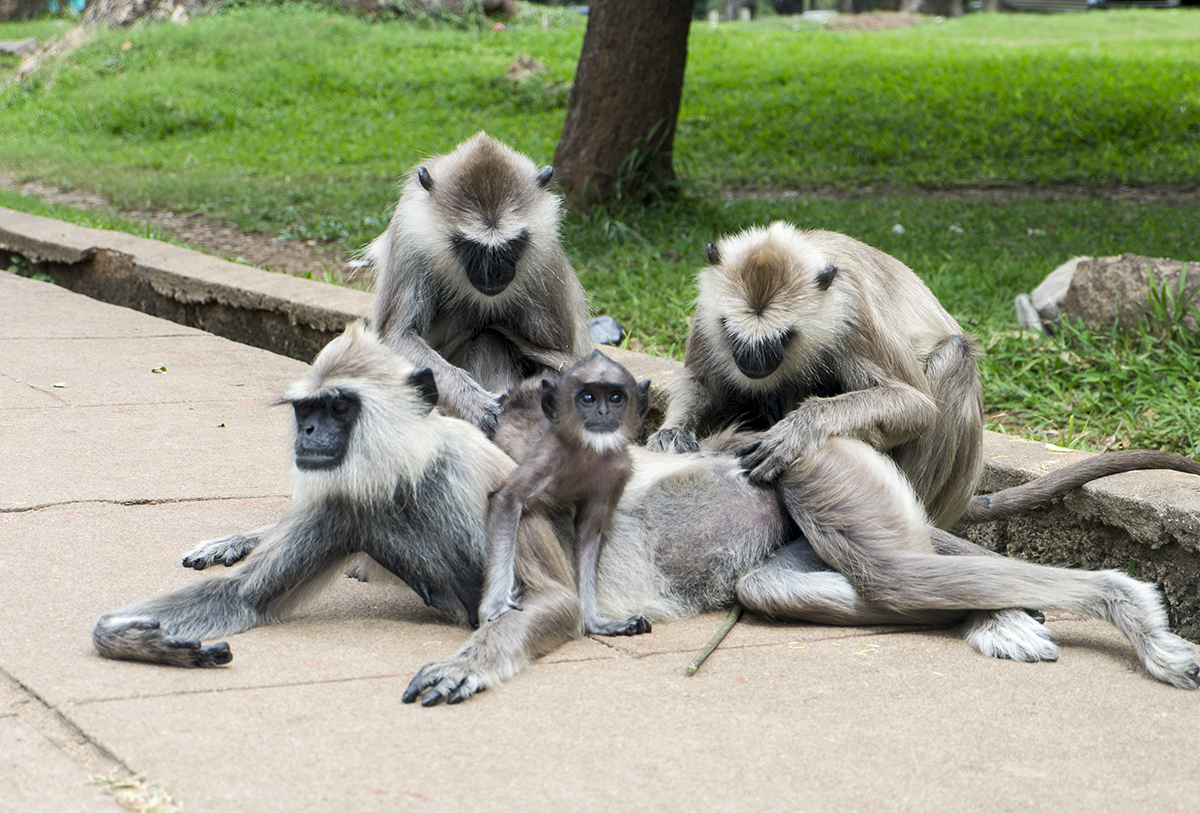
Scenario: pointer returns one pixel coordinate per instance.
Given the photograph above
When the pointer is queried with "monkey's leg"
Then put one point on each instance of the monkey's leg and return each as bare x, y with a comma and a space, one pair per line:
944, 463
169, 628
883, 549
590, 522
795, 585
228, 550
500, 649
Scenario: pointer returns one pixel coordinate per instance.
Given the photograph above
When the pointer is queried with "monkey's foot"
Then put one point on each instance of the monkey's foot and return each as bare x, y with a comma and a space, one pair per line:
228, 550
1171, 660
672, 440
1011, 634
445, 680
141, 639
634, 625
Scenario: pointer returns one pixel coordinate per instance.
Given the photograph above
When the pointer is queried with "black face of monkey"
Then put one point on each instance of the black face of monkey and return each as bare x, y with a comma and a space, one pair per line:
489, 268
758, 359
323, 427
601, 406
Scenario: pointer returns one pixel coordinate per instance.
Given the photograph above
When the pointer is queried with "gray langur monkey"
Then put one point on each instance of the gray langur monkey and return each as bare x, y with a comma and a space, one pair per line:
840, 539
810, 335
580, 460
472, 281
379, 472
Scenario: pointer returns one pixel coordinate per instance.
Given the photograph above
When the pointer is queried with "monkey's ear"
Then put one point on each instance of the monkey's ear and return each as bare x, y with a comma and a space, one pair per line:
550, 400
426, 181
714, 256
422, 381
643, 391
825, 278
545, 175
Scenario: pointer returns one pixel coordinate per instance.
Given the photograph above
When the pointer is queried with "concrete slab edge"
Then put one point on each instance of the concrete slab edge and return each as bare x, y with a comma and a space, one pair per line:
1145, 523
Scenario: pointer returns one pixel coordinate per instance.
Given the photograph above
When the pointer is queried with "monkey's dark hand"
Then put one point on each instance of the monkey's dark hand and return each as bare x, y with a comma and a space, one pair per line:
677, 441
445, 680
484, 411
777, 449
228, 550
634, 625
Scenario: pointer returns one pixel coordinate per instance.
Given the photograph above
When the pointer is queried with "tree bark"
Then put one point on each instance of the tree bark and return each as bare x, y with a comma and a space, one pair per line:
21, 9
619, 133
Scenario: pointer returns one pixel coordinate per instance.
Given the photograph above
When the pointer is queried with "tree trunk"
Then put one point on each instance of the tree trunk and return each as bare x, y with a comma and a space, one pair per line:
21, 9
619, 132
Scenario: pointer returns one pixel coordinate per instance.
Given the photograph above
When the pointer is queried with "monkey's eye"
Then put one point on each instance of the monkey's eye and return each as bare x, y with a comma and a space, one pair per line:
303, 410
340, 406
587, 397
616, 397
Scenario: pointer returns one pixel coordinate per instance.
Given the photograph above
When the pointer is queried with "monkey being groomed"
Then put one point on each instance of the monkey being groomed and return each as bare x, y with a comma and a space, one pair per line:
810, 335
841, 539
471, 280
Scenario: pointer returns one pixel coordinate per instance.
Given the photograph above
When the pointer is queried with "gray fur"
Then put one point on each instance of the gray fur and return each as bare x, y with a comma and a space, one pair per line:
425, 308
411, 494
872, 355
842, 539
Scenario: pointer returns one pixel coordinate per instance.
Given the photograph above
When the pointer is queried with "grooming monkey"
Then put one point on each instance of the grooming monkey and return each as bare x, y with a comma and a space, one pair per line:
811, 335
382, 473
472, 281
377, 471
581, 459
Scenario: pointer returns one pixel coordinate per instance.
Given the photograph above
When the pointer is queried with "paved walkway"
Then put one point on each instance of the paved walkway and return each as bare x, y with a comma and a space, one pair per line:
126, 439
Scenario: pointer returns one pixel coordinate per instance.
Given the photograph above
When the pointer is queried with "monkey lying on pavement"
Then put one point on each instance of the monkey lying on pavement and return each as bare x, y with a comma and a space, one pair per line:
810, 335
590, 416
379, 471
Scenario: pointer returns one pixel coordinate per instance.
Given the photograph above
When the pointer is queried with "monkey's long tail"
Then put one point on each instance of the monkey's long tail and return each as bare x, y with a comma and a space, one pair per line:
1010, 501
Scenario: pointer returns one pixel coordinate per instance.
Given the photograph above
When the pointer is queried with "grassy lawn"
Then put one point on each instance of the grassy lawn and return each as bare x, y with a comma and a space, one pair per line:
297, 121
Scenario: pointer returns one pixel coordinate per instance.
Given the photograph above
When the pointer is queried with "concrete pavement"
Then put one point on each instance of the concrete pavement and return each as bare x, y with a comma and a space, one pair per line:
111, 471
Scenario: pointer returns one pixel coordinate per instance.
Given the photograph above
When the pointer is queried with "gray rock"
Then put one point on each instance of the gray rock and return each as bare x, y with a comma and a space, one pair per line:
1105, 290
606, 330
19, 47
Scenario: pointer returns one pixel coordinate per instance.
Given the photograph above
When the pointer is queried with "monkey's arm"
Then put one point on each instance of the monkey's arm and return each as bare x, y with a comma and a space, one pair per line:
883, 416
590, 521
459, 394
689, 403
228, 550
548, 357
505, 507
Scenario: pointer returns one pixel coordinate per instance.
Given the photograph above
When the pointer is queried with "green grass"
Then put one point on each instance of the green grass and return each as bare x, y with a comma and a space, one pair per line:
297, 121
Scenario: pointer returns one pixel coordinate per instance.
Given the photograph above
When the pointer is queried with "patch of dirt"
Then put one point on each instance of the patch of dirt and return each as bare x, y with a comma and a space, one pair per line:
213, 237
876, 21
1181, 195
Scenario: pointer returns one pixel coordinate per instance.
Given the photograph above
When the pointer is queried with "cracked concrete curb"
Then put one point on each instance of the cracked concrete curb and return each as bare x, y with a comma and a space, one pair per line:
288, 315
1146, 523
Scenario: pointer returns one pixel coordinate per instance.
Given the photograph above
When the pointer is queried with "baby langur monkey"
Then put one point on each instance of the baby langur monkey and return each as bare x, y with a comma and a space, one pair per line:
580, 459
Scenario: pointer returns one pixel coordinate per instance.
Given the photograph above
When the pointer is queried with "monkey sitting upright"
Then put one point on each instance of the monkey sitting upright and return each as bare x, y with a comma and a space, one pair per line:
811, 335
580, 459
472, 281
